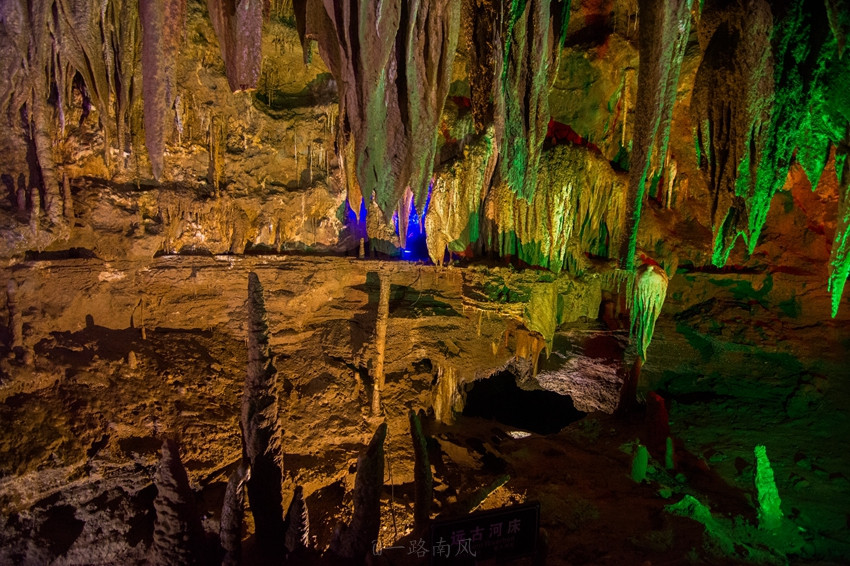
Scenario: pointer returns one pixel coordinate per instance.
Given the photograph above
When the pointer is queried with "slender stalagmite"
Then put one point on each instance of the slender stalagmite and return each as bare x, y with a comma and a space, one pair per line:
232, 512
354, 541
261, 432
423, 481
381, 342
178, 534
297, 537
16, 325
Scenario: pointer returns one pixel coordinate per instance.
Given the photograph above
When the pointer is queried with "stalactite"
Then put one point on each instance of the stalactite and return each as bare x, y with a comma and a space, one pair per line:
232, 513
533, 41
238, 24
453, 219
354, 541
423, 482
261, 432
43, 141
664, 29
580, 208
731, 107
297, 537
178, 534
839, 257
649, 292
482, 33
162, 28
810, 111
392, 63
447, 397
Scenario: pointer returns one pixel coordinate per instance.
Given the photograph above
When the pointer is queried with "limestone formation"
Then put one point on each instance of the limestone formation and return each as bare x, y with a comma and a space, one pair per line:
355, 540
162, 30
422, 478
261, 431
297, 537
232, 513
664, 31
239, 27
178, 534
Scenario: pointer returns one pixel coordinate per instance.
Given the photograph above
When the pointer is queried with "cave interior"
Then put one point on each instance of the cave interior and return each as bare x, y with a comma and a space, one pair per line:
328, 281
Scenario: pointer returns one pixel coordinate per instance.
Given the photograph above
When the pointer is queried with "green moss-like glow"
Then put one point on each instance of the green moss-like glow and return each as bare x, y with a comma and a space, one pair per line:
769, 513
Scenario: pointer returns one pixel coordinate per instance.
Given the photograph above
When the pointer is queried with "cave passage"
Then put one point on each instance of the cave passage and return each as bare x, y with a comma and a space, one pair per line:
500, 398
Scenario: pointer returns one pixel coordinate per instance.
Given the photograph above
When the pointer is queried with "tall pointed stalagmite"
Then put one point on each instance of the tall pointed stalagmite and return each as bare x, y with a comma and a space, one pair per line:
381, 341
423, 481
178, 536
297, 537
261, 432
354, 541
232, 513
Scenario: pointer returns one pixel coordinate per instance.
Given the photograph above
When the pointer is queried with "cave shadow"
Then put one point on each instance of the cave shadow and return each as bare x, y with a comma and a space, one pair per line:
540, 411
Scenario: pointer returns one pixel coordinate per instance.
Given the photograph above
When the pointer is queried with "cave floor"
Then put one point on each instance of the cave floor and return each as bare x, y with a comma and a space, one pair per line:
82, 424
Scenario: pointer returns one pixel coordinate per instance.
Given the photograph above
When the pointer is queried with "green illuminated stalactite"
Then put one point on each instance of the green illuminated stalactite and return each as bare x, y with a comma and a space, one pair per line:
648, 293
530, 62
839, 258
731, 101
664, 30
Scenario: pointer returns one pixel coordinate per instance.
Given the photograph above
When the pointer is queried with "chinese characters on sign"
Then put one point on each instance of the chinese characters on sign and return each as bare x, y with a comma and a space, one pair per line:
510, 532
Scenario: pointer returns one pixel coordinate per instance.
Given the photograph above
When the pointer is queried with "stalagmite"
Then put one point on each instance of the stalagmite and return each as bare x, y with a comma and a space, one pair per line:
238, 25
664, 29
297, 537
381, 341
640, 462
354, 540
261, 432
232, 513
769, 513
178, 534
650, 290
162, 30
422, 479
16, 324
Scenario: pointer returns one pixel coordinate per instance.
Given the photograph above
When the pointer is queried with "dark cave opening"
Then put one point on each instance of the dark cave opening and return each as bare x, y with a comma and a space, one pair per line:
500, 398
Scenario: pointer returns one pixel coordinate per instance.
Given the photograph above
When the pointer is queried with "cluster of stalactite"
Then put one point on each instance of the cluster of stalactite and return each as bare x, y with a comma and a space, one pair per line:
392, 62
578, 209
53, 51
62, 59
789, 59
